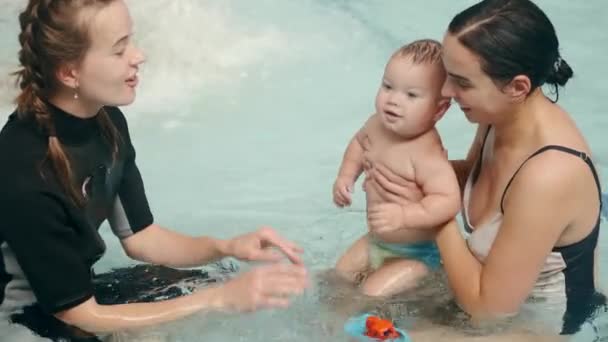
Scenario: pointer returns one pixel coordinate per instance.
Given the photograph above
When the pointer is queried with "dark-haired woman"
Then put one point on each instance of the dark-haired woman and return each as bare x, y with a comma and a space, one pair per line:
531, 194
68, 164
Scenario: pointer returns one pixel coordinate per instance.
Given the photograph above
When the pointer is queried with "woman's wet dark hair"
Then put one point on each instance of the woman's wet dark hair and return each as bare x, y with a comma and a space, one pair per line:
513, 37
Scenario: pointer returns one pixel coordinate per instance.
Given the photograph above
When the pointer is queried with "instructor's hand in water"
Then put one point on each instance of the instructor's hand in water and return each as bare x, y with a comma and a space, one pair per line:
268, 286
264, 287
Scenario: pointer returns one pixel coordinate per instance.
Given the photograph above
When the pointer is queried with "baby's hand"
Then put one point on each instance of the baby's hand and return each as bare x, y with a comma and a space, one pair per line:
343, 188
385, 217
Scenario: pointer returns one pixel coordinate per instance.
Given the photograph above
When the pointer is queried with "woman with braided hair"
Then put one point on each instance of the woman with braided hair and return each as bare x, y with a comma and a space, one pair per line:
68, 164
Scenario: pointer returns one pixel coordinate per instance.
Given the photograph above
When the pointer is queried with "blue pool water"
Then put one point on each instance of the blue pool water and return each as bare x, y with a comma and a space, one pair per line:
244, 111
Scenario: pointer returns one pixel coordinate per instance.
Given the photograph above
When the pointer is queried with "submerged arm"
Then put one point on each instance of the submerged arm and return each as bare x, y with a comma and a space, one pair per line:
269, 286
94, 318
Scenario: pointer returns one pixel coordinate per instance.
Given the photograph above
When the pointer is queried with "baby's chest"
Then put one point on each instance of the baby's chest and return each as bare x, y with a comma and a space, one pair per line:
396, 156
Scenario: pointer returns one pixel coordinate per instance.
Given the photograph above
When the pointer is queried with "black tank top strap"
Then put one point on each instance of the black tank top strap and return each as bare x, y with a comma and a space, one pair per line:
584, 156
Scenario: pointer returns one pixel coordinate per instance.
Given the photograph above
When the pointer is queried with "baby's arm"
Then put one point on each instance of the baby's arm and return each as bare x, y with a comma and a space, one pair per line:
350, 168
352, 162
441, 193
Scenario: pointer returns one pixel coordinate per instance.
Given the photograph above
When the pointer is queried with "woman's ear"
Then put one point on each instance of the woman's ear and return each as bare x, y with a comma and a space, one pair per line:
518, 88
67, 75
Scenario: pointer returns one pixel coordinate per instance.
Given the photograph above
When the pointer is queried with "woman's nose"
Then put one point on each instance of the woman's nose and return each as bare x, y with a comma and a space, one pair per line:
447, 90
138, 57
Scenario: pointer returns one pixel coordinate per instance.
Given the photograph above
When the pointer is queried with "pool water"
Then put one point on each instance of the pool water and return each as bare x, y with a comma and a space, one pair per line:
242, 116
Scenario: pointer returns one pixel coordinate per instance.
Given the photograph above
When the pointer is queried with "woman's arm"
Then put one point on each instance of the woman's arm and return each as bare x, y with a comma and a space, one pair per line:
55, 258
158, 245
161, 246
440, 201
94, 318
539, 206
269, 286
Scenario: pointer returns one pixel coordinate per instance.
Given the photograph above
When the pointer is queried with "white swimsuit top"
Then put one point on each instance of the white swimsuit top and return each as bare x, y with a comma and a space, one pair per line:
566, 280
481, 238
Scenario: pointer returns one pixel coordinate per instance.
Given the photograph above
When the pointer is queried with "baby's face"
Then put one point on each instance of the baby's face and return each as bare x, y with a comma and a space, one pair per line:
409, 97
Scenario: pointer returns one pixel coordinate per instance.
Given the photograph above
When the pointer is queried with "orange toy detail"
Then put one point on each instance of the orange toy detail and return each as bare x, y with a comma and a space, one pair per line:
381, 329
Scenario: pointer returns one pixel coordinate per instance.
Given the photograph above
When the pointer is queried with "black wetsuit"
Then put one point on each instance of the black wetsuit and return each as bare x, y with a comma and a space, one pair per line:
48, 244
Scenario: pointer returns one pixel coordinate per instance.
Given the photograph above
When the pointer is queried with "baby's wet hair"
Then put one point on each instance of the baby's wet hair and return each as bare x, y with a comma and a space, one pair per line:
421, 51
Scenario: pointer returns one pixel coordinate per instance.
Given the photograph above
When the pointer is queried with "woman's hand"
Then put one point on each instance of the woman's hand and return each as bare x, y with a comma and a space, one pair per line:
392, 187
265, 287
260, 246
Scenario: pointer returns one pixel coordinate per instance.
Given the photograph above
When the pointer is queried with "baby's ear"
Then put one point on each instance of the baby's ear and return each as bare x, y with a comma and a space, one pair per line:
442, 106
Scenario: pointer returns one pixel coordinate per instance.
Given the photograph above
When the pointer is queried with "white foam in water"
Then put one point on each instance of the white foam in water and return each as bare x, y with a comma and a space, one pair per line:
245, 108
193, 46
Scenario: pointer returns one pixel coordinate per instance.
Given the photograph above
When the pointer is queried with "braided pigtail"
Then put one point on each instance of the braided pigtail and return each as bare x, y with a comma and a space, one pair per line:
51, 34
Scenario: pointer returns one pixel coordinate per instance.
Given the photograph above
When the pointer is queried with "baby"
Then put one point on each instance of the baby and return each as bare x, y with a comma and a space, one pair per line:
400, 138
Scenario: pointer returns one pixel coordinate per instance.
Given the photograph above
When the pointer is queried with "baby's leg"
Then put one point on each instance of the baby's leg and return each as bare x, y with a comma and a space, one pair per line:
394, 276
354, 264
